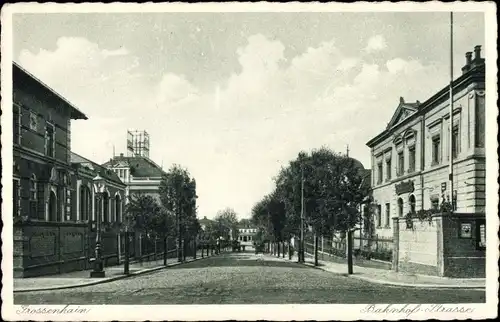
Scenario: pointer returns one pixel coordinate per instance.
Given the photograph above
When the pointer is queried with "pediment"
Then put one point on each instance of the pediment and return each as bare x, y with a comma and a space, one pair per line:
403, 111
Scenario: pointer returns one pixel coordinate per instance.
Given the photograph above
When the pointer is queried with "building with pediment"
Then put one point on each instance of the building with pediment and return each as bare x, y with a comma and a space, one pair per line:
140, 174
410, 175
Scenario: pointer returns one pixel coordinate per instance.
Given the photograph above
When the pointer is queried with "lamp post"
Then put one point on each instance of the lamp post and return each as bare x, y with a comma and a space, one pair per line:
98, 270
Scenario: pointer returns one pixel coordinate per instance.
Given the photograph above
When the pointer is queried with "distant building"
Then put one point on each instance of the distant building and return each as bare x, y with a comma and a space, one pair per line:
410, 167
204, 223
141, 174
246, 233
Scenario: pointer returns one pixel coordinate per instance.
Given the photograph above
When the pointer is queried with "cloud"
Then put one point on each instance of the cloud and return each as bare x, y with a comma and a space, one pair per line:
233, 135
376, 43
175, 89
118, 52
347, 64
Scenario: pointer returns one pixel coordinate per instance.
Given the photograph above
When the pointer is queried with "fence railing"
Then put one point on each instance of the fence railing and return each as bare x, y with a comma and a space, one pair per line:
370, 248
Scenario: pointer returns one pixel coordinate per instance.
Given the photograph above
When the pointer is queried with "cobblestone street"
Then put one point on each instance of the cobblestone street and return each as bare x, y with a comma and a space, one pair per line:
245, 278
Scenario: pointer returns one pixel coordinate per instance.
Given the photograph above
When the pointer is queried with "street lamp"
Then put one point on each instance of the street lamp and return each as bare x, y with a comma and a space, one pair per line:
99, 186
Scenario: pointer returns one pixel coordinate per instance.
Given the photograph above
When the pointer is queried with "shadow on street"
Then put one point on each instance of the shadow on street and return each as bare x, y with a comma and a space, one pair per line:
240, 259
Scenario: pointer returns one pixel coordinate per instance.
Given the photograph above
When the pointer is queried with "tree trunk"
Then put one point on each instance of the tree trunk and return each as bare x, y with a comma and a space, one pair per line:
349, 252
316, 242
155, 249
194, 248
278, 246
165, 254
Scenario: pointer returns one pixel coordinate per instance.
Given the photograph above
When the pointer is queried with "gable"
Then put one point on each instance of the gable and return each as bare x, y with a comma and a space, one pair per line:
403, 111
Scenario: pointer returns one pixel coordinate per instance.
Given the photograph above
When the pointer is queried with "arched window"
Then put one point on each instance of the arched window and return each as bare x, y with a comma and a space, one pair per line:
105, 207
85, 203
118, 208
33, 197
400, 207
412, 203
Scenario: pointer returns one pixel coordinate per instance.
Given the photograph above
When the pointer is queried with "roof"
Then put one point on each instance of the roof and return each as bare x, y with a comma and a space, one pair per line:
28, 80
141, 167
80, 161
205, 220
475, 74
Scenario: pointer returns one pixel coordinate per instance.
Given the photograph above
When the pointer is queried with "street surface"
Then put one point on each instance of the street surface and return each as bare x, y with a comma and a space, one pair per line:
245, 278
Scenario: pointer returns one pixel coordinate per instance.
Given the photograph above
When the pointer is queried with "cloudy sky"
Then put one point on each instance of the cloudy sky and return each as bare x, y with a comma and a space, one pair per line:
233, 96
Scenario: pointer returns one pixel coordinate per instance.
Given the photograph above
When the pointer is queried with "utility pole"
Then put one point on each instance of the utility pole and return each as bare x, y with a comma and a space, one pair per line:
302, 244
450, 178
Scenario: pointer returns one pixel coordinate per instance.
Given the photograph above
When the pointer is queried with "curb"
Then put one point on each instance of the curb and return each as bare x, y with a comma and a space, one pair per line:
107, 280
400, 284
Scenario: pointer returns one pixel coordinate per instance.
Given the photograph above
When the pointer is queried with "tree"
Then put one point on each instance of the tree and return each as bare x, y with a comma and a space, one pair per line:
178, 196
142, 213
269, 216
331, 188
226, 221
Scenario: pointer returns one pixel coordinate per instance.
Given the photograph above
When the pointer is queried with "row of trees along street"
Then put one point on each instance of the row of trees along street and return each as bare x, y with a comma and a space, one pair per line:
173, 218
225, 225
322, 185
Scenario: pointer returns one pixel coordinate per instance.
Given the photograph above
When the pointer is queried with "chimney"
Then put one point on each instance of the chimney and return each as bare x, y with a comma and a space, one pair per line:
468, 62
477, 52
468, 58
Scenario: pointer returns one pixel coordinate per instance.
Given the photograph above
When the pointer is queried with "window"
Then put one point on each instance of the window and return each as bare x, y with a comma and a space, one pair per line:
379, 169
33, 121
388, 169
33, 195
16, 120
436, 150
105, 208
16, 196
455, 136
481, 234
49, 140
435, 203
401, 163
411, 159
412, 204
118, 208
400, 207
83, 202
379, 216
387, 215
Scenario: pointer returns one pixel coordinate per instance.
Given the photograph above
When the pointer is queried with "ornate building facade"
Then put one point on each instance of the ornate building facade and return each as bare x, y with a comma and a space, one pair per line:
410, 167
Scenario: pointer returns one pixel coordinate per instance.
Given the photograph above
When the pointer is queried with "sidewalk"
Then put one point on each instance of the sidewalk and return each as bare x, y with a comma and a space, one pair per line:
389, 277
82, 278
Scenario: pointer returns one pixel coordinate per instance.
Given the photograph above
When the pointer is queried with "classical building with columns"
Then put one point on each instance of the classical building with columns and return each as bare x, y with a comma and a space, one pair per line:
410, 167
54, 204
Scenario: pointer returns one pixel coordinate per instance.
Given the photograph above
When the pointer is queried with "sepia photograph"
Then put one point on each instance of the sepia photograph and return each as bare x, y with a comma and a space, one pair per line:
243, 161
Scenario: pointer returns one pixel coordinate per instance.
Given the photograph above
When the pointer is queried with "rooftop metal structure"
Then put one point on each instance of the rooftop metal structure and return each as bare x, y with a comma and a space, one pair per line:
137, 143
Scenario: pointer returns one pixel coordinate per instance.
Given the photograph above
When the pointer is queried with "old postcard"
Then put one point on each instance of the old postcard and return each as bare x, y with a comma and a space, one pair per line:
249, 161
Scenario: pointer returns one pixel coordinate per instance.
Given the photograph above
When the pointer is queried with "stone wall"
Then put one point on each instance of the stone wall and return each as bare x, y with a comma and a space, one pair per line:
418, 251
44, 248
437, 248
